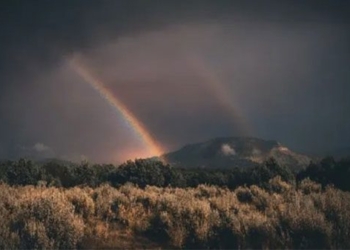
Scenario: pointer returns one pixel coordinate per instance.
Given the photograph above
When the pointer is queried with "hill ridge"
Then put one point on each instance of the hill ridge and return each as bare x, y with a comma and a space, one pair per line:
235, 151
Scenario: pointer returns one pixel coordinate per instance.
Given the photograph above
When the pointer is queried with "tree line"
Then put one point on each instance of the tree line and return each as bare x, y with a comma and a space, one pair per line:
143, 172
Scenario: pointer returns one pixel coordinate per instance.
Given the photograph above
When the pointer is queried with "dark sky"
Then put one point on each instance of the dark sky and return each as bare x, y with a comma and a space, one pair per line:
188, 70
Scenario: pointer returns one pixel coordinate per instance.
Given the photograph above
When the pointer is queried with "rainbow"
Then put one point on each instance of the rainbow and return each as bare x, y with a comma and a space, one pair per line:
152, 146
217, 88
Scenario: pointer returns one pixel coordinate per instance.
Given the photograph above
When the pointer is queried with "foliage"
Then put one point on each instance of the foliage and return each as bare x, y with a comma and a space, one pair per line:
144, 172
281, 216
328, 171
63, 205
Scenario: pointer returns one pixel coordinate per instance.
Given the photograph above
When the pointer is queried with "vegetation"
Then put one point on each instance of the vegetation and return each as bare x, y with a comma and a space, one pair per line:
281, 216
140, 172
144, 203
328, 171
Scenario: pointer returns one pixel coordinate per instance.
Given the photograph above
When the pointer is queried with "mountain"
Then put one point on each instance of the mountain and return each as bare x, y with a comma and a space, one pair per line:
227, 152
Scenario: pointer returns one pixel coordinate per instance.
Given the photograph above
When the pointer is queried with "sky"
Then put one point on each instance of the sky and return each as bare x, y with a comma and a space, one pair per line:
184, 71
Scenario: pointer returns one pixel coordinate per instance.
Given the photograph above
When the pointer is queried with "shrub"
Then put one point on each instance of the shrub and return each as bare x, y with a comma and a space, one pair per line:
47, 220
308, 186
82, 201
280, 215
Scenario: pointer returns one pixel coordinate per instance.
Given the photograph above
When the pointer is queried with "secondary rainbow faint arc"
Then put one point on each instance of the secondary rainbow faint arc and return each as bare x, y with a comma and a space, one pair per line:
136, 125
212, 81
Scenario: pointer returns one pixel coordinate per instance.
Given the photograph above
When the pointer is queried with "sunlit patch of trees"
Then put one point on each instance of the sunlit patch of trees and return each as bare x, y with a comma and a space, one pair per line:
63, 205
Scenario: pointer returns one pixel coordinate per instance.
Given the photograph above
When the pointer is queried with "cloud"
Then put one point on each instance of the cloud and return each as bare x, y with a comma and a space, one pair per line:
256, 151
283, 149
35, 151
40, 150
227, 150
140, 51
40, 147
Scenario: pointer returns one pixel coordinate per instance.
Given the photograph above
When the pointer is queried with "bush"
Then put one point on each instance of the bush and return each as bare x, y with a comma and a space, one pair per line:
269, 212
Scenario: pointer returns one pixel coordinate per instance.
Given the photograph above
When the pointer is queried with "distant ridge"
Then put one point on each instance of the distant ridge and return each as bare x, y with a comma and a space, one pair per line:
228, 152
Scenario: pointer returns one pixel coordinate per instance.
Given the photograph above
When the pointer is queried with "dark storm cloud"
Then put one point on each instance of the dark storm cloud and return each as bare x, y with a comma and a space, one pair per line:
284, 63
283, 80
43, 28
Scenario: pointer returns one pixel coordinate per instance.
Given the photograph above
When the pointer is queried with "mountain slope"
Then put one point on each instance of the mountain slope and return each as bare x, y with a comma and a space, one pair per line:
228, 152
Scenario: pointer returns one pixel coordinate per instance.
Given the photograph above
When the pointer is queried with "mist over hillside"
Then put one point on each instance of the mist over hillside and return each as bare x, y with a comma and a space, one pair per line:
229, 152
